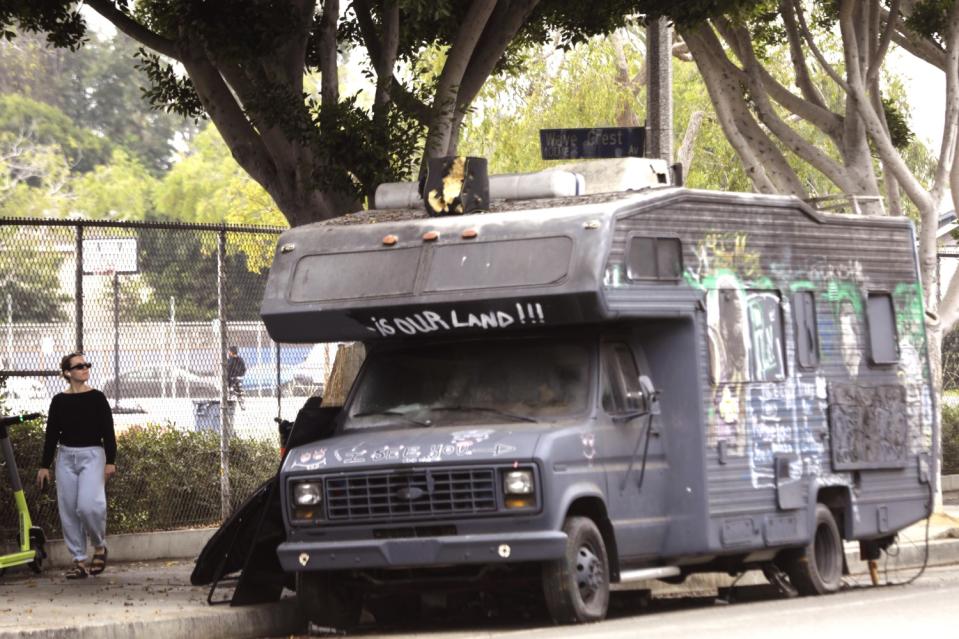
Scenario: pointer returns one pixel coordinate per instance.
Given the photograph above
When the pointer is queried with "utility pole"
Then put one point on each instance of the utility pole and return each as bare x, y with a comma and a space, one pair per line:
659, 97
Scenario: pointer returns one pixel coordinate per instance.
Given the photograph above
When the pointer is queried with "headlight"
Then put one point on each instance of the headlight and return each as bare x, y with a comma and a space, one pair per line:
518, 482
307, 493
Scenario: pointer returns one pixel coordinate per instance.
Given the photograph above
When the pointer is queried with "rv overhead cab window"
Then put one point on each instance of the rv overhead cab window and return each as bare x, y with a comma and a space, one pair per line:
807, 331
883, 343
654, 258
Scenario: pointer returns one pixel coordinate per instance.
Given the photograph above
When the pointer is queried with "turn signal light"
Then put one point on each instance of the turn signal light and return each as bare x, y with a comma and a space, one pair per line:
520, 502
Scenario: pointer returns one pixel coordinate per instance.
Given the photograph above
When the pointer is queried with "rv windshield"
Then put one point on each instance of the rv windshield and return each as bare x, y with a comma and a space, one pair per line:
497, 381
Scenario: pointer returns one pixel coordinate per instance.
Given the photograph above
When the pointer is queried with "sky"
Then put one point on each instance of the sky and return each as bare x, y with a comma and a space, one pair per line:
926, 87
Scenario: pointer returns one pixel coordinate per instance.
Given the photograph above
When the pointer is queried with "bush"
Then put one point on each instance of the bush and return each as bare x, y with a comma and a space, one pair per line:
950, 440
166, 479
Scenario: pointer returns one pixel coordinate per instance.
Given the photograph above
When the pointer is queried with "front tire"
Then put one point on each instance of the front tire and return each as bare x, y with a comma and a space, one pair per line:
327, 600
817, 568
576, 587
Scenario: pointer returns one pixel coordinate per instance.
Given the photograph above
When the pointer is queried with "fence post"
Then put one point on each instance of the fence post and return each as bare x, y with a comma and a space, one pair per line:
78, 289
226, 417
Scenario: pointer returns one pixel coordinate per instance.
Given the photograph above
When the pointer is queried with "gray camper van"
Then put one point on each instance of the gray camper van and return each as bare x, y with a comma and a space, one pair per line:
583, 391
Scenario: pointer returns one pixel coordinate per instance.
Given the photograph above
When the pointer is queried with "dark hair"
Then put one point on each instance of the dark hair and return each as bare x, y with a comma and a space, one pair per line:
65, 361
234, 350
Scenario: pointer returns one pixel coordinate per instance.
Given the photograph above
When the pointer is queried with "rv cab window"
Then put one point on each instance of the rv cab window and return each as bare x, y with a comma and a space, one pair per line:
621, 390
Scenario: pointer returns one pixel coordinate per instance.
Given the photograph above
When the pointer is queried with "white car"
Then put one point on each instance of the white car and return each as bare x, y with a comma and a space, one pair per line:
25, 394
311, 373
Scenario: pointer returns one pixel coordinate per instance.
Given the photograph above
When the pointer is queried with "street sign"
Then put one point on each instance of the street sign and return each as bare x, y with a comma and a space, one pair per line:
601, 142
115, 255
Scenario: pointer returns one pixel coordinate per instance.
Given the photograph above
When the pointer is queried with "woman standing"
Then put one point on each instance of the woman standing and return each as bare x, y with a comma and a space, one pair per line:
80, 421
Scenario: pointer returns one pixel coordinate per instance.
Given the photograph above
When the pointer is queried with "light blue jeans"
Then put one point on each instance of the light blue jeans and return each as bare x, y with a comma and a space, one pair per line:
82, 498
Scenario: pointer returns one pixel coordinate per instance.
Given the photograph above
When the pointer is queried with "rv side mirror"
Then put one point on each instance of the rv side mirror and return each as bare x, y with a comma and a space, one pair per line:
652, 395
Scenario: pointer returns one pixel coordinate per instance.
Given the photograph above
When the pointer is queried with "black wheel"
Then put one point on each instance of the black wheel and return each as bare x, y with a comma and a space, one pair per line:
37, 564
329, 599
577, 586
817, 568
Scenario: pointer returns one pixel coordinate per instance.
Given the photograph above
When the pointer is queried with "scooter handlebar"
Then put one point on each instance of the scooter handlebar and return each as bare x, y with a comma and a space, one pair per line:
17, 419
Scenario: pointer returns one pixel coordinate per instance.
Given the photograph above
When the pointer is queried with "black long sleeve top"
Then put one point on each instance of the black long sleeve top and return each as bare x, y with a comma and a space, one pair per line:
79, 419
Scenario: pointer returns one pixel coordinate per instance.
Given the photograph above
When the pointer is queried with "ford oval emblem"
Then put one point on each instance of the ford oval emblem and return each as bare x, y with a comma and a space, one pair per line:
410, 493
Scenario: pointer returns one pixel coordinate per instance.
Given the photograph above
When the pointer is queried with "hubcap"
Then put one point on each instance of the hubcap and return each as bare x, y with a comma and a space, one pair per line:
589, 573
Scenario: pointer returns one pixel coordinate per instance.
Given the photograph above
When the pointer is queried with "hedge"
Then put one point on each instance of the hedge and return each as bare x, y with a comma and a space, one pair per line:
166, 478
950, 439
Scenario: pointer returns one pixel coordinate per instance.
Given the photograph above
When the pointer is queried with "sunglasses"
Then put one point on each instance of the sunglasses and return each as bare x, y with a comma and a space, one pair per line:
80, 367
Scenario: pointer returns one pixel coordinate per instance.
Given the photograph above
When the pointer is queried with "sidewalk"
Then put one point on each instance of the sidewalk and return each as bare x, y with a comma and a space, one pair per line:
155, 599
141, 599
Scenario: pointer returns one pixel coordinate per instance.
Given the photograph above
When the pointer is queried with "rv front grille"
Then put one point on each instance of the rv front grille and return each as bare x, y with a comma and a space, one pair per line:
422, 493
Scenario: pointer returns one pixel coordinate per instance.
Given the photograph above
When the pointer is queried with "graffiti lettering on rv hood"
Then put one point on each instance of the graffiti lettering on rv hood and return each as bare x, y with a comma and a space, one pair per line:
424, 322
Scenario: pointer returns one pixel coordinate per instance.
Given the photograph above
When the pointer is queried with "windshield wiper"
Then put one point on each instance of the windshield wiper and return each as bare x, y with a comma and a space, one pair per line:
487, 409
394, 413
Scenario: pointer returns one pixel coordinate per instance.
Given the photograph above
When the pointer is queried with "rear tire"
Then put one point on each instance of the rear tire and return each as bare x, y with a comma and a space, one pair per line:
576, 587
817, 568
327, 600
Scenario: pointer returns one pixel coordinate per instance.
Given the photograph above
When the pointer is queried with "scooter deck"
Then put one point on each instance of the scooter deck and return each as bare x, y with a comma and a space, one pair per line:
17, 559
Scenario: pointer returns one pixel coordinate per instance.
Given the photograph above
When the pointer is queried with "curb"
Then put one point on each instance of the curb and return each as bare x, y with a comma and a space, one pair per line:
168, 544
942, 552
247, 622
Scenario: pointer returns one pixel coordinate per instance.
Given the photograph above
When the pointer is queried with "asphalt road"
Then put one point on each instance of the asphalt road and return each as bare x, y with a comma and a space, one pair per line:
927, 608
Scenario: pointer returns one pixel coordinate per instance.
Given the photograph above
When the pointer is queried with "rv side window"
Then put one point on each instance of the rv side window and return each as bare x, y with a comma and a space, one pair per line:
883, 343
807, 331
746, 335
766, 336
654, 258
621, 392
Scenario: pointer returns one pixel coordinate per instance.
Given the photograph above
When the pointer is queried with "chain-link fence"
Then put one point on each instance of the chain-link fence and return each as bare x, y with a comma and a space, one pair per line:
156, 308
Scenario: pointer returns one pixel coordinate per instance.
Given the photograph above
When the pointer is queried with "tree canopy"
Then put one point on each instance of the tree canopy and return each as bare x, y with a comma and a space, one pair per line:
242, 65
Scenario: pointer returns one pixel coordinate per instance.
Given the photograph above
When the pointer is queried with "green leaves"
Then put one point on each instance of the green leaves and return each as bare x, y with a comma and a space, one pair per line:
166, 90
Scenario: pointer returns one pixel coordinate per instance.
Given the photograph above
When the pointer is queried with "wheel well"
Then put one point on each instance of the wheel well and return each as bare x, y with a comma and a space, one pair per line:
595, 509
836, 499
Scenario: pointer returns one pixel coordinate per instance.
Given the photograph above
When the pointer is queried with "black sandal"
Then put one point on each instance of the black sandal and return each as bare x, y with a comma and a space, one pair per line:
99, 562
77, 572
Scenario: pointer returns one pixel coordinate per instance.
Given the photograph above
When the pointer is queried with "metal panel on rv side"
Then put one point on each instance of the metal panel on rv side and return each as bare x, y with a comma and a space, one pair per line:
753, 254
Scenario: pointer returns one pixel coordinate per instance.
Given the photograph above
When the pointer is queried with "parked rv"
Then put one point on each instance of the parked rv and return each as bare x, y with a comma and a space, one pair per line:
578, 392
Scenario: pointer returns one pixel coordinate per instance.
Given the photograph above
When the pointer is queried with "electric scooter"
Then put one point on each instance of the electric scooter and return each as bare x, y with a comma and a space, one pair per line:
30, 538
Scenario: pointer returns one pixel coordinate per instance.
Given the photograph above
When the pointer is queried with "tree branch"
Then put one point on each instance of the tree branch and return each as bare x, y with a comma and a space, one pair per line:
804, 81
739, 39
687, 149
763, 163
127, 25
502, 27
857, 92
329, 73
446, 98
807, 36
240, 136
892, 19
950, 136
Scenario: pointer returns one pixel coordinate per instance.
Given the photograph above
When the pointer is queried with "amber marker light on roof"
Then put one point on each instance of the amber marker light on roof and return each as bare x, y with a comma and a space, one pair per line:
389, 240
431, 236
469, 234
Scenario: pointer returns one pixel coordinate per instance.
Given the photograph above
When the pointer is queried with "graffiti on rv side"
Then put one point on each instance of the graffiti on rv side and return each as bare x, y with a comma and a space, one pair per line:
425, 322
